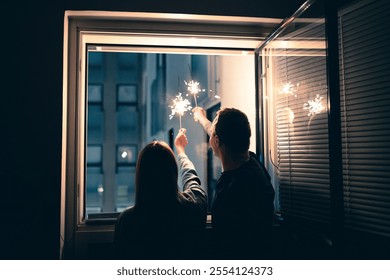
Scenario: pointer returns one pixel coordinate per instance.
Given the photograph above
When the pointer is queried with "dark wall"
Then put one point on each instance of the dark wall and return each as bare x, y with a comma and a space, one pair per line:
31, 109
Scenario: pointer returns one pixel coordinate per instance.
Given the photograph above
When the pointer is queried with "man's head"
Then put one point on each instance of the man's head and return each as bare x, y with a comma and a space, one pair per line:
230, 129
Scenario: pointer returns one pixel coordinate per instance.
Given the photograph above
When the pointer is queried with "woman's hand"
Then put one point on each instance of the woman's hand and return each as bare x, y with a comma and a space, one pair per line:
181, 141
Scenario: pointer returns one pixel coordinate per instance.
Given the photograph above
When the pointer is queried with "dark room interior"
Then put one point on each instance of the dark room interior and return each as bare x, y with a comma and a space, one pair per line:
32, 135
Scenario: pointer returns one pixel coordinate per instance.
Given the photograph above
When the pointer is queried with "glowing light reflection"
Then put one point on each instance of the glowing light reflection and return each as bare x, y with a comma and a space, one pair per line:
314, 106
288, 88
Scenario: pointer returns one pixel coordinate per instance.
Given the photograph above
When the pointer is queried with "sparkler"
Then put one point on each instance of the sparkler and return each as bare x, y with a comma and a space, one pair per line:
179, 106
193, 88
314, 106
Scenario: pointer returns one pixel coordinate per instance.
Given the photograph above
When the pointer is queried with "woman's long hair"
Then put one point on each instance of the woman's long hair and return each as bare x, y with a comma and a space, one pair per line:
156, 176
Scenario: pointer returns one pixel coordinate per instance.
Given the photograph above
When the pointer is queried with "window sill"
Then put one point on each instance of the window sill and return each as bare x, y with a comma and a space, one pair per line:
102, 219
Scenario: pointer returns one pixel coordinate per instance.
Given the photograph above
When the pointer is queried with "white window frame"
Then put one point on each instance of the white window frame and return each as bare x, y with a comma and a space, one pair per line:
198, 34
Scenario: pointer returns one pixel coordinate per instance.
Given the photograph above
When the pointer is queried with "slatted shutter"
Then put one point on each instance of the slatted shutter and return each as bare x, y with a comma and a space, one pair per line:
365, 108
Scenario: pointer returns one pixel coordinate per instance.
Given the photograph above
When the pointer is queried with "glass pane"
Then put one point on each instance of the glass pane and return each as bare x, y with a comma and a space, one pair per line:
295, 97
130, 99
94, 190
125, 192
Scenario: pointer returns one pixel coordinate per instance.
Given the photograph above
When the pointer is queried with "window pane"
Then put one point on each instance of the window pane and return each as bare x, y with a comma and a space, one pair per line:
125, 189
296, 87
94, 190
137, 94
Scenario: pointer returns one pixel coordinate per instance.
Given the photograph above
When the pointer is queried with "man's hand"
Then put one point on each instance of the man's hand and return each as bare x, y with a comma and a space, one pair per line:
181, 141
199, 115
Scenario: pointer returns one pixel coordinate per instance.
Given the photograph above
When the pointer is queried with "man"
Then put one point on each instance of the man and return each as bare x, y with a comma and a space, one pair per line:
242, 208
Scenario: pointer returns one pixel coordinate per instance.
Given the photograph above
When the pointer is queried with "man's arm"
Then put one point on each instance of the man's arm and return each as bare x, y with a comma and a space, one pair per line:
200, 116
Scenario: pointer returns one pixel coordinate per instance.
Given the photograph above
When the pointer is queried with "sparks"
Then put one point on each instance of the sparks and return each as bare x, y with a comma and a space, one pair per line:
314, 106
193, 88
179, 106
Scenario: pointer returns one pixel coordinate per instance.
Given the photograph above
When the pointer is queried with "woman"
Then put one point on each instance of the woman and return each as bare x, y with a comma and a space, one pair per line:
164, 223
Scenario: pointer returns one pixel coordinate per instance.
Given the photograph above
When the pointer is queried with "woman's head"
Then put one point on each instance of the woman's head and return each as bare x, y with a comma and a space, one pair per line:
157, 174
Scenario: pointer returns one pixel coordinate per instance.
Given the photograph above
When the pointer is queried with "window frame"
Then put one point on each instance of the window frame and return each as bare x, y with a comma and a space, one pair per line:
196, 34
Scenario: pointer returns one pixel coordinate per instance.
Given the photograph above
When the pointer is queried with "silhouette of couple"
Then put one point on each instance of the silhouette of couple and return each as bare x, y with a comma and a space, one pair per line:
166, 223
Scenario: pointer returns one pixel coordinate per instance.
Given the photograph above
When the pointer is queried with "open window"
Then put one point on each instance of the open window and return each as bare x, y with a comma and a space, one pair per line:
122, 72
141, 86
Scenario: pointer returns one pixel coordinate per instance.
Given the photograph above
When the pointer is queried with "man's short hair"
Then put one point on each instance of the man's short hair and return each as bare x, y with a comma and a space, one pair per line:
233, 129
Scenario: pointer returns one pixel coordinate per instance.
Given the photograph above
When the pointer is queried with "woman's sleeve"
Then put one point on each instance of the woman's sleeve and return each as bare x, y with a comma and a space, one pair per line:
192, 188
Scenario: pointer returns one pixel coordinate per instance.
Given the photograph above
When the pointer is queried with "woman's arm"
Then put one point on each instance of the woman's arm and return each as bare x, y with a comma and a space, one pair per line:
192, 188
